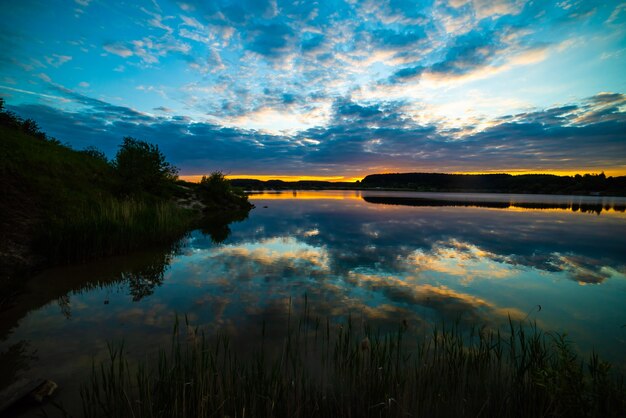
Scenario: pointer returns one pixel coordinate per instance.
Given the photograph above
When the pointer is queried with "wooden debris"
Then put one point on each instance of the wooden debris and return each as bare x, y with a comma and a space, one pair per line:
18, 390
43, 391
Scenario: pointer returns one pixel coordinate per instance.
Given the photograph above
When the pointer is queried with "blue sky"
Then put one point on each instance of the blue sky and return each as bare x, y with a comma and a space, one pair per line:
327, 88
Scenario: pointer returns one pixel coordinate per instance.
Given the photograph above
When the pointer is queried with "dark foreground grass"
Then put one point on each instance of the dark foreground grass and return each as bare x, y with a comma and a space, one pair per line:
324, 370
113, 226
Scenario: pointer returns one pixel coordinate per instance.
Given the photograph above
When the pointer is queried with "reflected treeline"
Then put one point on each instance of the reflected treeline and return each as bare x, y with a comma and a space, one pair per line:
141, 272
13, 360
416, 201
356, 237
145, 278
217, 226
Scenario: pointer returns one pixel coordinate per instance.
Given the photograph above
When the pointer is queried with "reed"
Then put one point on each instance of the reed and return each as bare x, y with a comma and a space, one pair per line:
322, 369
112, 226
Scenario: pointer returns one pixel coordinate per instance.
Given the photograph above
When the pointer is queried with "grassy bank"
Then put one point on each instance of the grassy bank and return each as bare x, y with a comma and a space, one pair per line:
324, 370
63, 205
112, 226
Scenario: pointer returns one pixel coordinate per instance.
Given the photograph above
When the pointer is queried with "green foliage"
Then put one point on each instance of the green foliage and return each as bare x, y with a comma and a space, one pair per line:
216, 191
215, 186
112, 226
321, 369
27, 126
94, 152
61, 205
142, 168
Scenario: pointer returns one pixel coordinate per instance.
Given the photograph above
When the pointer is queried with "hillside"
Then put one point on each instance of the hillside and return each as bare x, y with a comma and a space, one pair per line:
61, 205
42, 182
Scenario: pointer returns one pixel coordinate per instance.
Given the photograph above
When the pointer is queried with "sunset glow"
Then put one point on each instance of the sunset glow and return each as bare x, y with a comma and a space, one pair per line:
330, 90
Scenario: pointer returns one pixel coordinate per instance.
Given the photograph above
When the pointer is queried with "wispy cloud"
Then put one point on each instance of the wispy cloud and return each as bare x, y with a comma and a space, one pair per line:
119, 50
388, 84
57, 60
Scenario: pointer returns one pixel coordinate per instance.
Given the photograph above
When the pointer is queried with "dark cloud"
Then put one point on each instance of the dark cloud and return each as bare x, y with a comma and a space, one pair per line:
358, 137
262, 28
345, 109
407, 73
609, 98
467, 52
463, 54
269, 39
312, 42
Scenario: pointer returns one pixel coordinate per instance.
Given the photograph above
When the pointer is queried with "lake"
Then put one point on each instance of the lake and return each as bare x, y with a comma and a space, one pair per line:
382, 258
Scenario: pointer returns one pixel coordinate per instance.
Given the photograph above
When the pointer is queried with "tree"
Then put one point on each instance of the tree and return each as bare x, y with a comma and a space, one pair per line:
215, 186
95, 153
216, 191
142, 168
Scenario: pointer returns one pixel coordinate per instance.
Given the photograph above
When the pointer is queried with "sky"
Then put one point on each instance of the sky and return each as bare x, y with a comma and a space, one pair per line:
327, 89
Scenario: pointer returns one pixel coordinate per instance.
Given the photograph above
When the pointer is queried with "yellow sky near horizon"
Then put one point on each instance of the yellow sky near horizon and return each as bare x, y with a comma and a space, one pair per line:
265, 177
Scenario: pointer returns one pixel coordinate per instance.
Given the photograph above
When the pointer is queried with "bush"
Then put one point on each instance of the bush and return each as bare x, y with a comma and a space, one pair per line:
215, 191
142, 168
214, 187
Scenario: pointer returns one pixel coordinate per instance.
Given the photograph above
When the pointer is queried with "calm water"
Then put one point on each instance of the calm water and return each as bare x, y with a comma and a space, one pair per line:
382, 257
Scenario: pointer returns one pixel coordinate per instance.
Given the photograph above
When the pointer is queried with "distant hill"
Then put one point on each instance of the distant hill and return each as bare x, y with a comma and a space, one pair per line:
253, 184
500, 183
588, 184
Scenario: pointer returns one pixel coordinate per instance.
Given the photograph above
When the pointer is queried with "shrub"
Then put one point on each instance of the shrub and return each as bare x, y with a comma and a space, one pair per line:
142, 168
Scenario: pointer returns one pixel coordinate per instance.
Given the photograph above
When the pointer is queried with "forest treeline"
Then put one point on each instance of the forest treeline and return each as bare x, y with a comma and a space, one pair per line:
587, 184
500, 183
253, 184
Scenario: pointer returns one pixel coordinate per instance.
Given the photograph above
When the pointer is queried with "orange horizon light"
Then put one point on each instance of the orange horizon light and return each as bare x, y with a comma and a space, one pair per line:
194, 178
266, 177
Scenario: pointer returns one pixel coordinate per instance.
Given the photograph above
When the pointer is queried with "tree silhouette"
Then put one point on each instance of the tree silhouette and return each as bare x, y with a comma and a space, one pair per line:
141, 167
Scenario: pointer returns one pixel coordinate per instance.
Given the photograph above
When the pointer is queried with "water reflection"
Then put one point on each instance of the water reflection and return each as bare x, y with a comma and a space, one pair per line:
381, 264
14, 360
217, 226
585, 207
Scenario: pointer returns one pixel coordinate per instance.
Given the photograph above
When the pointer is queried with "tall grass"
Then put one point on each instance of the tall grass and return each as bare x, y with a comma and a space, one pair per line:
325, 370
112, 226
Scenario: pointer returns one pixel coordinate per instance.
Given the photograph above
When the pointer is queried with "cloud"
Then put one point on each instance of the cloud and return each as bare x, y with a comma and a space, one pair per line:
619, 11
364, 137
119, 50
450, 303
584, 270
270, 39
156, 21
473, 55
331, 86
82, 5
467, 52
193, 22
44, 77
148, 49
57, 60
